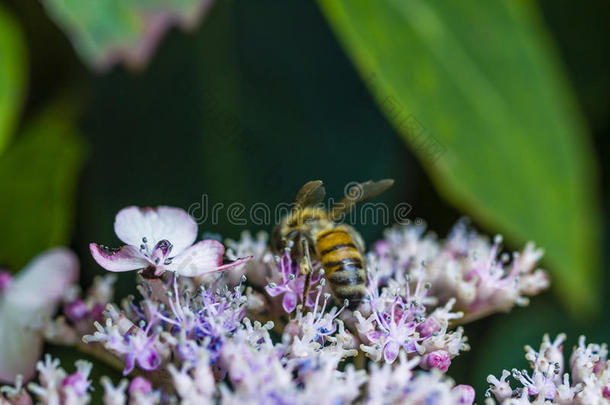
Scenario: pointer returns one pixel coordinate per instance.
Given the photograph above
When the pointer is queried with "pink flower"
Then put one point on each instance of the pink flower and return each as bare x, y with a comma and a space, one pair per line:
158, 240
500, 388
77, 381
586, 380
76, 310
428, 327
439, 359
121, 336
292, 284
5, 280
141, 350
32, 295
140, 384
466, 393
395, 332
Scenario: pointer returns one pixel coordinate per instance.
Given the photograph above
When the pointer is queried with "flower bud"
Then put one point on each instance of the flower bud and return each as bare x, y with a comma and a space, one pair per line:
439, 359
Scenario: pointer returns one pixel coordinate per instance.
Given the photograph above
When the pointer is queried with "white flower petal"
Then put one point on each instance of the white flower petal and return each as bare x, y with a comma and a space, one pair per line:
126, 258
34, 293
43, 281
20, 347
201, 258
155, 224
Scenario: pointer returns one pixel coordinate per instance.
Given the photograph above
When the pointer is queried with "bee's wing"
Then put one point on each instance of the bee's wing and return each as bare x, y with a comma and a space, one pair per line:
311, 193
359, 193
34, 293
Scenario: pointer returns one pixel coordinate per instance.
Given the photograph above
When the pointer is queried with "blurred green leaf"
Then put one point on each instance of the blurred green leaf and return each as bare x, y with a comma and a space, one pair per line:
38, 177
475, 89
13, 71
109, 31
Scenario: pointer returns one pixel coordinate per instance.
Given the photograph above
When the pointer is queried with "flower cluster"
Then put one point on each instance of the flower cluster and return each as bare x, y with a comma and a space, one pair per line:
80, 312
477, 274
400, 385
396, 318
266, 331
585, 379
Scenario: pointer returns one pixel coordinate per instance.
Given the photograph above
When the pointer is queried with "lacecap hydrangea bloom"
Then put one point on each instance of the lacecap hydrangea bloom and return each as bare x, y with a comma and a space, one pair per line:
238, 326
583, 380
465, 268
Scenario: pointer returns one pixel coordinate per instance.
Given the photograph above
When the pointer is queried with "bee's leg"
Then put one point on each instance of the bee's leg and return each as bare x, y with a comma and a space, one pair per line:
306, 268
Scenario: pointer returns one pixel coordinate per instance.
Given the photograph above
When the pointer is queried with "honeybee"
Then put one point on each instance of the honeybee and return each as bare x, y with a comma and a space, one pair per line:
311, 234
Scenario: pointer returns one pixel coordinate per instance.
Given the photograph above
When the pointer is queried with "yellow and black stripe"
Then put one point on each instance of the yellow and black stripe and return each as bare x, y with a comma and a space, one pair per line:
343, 264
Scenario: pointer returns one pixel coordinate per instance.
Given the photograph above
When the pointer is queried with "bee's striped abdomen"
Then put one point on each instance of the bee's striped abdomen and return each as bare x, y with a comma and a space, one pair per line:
343, 265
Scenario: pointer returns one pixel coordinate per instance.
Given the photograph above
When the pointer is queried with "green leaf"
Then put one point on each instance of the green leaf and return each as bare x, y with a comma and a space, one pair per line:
109, 31
476, 90
38, 176
13, 65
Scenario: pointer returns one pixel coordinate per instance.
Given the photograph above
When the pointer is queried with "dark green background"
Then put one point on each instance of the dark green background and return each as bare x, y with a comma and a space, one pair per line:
262, 98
